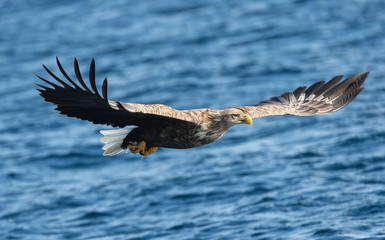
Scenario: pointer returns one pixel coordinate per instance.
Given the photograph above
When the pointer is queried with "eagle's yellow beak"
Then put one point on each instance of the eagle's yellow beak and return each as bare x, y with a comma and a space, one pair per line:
245, 119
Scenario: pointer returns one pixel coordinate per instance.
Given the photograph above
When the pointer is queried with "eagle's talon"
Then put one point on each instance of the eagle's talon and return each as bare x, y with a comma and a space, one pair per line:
133, 148
137, 148
148, 151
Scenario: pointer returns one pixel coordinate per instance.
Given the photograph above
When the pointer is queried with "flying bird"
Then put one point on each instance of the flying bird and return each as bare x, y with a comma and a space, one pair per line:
143, 128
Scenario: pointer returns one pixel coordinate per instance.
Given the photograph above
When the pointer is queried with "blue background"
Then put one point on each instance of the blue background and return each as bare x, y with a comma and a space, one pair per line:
285, 177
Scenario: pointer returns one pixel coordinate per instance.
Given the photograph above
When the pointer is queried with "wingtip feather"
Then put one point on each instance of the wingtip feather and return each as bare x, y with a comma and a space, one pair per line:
79, 76
104, 90
92, 77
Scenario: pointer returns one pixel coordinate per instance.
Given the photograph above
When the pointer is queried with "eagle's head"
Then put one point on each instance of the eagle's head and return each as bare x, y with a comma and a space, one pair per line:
233, 116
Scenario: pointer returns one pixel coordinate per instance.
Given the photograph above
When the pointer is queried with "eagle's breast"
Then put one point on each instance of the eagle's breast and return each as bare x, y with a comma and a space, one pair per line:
208, 133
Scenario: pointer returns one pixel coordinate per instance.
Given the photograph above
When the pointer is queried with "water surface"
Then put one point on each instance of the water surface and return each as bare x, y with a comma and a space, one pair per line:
283, 178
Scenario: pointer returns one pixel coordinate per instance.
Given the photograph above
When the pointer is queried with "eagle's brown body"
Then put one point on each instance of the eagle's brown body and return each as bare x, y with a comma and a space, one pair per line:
196, 127
157, 125
183, 135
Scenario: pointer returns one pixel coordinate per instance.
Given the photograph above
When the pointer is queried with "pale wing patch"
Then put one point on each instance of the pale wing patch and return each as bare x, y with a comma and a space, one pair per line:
320, 98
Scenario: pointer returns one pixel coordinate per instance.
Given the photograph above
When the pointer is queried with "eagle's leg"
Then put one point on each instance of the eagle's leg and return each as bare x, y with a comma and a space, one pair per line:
137, 148
148, 151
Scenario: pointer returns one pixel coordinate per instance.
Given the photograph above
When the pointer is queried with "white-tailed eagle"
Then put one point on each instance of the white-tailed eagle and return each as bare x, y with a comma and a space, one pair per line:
151, 126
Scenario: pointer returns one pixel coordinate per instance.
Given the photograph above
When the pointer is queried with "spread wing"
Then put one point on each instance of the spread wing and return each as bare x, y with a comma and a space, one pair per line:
320, 98
81, 102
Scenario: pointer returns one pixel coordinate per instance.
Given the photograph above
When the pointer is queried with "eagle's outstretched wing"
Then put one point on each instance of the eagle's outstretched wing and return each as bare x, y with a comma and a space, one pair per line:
80, 102
320, 98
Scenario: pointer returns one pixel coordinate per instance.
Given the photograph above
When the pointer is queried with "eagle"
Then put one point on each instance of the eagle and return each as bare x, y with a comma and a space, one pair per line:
143, 128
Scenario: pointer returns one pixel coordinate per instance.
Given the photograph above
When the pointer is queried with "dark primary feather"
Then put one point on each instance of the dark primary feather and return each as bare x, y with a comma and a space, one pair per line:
313, 88
74, 101
104, 90
79, 76
92, 78
328, 85
65, 74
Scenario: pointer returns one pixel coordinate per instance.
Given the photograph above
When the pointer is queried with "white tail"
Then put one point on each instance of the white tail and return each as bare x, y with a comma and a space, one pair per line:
113, 139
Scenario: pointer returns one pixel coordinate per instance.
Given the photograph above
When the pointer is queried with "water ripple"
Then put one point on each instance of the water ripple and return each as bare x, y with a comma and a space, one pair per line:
284, 178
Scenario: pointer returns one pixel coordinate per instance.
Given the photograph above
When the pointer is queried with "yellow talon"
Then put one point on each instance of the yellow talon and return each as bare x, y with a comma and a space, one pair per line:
148, 151
142, 149
137, 148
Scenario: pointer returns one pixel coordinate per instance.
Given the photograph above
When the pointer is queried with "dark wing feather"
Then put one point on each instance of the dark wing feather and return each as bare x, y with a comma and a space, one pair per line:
74, 101
104, 89
92, 78
320, 98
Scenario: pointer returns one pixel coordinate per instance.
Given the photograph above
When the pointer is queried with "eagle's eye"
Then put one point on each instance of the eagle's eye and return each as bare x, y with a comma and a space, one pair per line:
235, 116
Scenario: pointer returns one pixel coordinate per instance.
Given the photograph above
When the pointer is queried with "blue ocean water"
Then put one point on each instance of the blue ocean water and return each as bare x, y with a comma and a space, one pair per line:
285, 177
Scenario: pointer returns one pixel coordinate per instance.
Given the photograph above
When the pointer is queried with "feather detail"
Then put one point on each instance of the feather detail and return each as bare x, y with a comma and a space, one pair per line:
113, 140
320, 98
